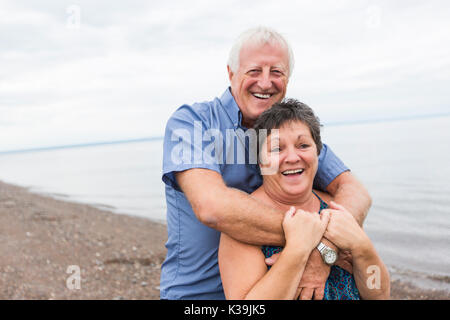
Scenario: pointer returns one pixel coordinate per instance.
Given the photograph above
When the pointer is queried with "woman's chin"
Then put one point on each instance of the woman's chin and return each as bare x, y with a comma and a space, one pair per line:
295, 191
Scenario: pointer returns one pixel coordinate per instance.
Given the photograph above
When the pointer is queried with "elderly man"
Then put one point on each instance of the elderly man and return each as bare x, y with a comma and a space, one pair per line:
207, 197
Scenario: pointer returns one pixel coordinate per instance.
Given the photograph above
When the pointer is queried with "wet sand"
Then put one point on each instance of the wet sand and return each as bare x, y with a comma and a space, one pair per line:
119, 256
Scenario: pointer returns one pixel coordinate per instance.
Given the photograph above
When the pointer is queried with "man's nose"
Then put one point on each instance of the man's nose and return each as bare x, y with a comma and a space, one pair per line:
264, 81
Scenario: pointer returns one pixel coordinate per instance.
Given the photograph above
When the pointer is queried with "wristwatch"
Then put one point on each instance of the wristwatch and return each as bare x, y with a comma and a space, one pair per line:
329, 255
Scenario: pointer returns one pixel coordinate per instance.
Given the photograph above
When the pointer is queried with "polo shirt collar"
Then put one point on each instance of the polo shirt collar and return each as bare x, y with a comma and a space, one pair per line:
231, 108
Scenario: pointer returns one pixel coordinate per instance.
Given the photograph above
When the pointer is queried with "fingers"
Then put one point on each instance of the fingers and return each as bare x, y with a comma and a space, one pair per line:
271, 261
337, 206
325, 218
306, 294
290, 212
319, 293
297, 293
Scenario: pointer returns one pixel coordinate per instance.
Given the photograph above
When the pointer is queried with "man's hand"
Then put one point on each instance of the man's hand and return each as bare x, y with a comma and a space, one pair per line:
312, 284
345, 261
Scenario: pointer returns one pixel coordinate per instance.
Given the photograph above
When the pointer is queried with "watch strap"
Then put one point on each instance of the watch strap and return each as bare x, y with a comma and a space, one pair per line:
321, 246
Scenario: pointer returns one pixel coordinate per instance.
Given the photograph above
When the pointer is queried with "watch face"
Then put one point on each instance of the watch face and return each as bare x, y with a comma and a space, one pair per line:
330, 256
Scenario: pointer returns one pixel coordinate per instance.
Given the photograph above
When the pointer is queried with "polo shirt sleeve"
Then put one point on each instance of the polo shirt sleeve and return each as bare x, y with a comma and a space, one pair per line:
184, 145
330, 166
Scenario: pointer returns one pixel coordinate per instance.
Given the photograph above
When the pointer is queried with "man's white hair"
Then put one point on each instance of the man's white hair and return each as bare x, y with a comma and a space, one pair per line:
258, 36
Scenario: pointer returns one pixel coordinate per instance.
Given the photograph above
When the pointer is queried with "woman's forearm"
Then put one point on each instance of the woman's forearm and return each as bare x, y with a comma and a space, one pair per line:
281, 281
370, 273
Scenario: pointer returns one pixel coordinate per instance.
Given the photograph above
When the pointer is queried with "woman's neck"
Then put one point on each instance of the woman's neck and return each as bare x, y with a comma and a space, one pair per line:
306, 201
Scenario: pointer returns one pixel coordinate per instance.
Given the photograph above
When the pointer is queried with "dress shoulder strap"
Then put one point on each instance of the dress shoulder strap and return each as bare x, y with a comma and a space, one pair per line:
323, 204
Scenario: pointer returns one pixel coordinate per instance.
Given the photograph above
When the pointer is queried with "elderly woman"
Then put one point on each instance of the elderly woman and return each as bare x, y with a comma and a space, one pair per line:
293, 151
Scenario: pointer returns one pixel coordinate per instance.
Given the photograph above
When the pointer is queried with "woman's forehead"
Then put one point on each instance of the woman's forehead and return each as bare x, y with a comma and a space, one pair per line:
292, 129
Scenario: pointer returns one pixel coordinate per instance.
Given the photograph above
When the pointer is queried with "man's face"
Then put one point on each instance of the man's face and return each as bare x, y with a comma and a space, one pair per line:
260, 81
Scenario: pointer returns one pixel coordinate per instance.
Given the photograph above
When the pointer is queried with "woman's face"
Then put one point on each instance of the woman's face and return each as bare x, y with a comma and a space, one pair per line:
294, 155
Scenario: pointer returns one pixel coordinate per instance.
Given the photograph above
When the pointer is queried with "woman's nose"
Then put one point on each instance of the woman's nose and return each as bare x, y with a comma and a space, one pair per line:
292, 156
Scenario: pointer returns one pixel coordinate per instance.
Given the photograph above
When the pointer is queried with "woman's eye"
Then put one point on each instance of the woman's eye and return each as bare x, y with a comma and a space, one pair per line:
274, 150
304, 146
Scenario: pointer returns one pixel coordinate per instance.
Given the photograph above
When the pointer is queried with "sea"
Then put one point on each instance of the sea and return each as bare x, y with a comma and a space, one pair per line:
404, 163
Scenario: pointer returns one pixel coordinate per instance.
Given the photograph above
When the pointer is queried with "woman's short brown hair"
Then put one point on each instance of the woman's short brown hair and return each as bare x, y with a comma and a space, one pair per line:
287, 111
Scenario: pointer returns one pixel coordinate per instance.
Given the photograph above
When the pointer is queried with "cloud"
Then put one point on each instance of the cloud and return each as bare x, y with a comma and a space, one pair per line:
127, 67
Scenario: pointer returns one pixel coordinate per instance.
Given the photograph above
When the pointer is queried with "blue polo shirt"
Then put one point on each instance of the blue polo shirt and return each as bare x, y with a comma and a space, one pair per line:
209, 135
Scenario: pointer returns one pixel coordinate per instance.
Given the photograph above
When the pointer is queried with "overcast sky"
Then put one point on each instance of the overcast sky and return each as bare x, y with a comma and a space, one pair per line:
85, 71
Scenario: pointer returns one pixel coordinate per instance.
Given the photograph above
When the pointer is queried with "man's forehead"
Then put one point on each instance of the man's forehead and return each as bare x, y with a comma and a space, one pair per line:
255, 55
277, 65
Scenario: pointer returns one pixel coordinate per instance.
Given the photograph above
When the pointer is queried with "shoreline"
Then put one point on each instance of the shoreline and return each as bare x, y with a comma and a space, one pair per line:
119, 256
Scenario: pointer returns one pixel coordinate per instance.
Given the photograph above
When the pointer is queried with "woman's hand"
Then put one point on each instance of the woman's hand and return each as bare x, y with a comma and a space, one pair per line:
304, 230
342, 229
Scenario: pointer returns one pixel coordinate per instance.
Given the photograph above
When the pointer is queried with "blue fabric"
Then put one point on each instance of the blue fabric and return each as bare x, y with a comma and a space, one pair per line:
190, 270
340, 284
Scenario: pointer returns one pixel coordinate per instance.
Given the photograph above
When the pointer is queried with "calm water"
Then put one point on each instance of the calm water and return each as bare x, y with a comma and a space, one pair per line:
404, 164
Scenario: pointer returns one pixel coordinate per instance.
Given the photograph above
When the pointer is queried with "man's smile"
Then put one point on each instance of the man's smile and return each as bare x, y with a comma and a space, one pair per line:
262, 96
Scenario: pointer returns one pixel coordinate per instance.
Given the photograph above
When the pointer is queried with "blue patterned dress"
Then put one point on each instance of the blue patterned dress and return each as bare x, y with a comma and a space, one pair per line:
340, 284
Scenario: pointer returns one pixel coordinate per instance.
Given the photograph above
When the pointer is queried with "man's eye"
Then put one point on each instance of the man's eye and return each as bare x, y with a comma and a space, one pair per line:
253, 71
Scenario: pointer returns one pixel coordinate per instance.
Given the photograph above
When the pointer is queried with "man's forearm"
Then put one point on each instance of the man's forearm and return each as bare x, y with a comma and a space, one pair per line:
245, 219
230, 210
350, 193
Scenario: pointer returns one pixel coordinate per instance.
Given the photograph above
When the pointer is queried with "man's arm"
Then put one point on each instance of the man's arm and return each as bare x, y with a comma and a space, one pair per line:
347, 191
230, 210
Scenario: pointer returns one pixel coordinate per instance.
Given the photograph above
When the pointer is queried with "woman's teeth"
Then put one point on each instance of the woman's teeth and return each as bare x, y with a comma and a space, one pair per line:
288, 172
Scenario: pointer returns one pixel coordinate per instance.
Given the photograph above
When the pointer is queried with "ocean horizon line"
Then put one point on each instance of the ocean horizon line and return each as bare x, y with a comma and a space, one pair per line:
156, 138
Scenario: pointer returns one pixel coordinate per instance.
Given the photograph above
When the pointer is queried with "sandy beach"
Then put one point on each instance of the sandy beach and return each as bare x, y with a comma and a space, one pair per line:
119, 256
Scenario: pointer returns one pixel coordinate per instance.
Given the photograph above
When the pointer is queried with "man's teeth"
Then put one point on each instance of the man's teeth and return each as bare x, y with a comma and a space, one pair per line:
292, 171
262, 96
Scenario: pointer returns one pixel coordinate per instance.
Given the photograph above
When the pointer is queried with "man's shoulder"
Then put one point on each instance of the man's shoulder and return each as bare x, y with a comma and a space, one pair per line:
197, 110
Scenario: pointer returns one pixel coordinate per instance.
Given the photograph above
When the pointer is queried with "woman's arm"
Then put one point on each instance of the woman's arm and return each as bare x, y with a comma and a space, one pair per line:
370, 273
244, 272
245, 276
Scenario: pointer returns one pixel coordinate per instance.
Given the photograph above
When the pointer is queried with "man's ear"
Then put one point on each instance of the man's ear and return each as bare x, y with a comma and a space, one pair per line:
230, 73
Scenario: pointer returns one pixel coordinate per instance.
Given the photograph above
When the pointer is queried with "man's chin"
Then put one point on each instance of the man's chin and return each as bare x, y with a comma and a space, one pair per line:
261, 106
